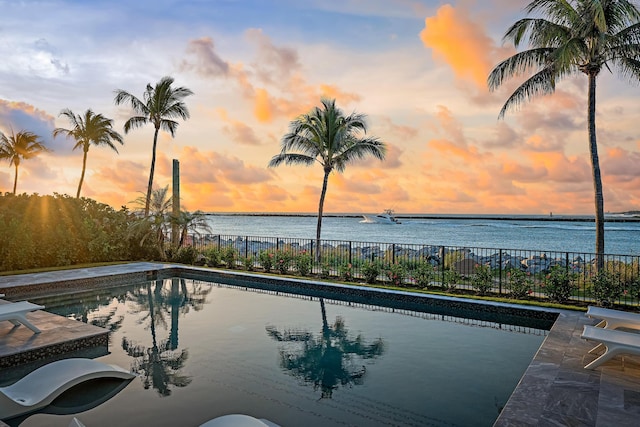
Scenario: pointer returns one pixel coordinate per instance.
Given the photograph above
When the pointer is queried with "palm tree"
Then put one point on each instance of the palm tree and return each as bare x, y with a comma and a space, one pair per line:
325, 135
18, 146
327, 360
572, 36
160, 106
91, 129
154, 225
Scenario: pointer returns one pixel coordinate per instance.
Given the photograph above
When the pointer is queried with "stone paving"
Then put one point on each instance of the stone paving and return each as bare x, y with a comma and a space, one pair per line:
555, 390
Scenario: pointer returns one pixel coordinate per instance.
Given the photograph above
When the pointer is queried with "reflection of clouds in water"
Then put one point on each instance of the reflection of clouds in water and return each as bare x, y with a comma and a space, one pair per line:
237, 329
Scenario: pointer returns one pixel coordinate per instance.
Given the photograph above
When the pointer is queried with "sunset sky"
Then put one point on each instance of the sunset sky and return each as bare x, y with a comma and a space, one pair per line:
416, 68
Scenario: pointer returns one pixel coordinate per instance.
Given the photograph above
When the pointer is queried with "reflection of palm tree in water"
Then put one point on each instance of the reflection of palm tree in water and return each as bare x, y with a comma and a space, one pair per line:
159, 365
328, 360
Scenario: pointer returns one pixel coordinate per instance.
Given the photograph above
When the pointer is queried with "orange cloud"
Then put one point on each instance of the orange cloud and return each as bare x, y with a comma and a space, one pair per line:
458, 41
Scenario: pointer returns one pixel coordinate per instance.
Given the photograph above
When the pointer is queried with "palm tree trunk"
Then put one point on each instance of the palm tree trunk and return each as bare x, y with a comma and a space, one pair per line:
320, 209
15, 180
153, 166
595, 169
84, 167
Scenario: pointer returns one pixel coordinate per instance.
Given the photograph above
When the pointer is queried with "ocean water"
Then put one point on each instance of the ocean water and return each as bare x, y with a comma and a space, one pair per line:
621, 238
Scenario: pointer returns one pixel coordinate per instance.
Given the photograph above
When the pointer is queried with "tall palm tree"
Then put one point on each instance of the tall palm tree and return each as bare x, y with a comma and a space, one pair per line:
573, 36
325, 135
87, 130
19, 146
161, 104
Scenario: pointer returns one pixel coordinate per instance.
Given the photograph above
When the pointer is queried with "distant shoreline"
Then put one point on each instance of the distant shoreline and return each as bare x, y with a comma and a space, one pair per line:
497, 217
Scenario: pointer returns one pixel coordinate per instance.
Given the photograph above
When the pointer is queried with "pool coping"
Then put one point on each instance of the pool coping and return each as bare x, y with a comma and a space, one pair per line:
554, 390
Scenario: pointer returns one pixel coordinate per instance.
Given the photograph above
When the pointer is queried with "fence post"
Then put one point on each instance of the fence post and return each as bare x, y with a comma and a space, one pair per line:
349, 251
393, 253
500, 273
442, 263
246, 247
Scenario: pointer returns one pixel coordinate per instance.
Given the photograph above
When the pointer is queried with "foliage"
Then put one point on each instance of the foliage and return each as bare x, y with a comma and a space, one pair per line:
213, 257
450, 279
564, 38
606, 287
450, 258
559, 284
247, 262
87, 130
56, 230
160, 106
265, 258
482, 280
423, 274
186, 255
283, 261
396, 273
345, 271
519, 284
20, 146
325, 271
371, 270
326, 136
302, 263
229, 256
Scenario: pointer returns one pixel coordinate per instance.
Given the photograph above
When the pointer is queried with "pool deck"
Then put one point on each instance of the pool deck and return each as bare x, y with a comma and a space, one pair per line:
555, 390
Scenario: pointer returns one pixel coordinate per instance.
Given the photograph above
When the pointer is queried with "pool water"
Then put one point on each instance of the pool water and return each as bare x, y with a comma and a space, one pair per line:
203, 350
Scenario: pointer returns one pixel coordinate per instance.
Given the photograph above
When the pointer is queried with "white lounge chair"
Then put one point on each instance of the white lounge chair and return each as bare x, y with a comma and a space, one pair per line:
614, 319
238, 420
614, 342
15, 313
39, 388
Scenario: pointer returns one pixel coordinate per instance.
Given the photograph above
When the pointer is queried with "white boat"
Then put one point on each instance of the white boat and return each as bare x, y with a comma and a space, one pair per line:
386, 217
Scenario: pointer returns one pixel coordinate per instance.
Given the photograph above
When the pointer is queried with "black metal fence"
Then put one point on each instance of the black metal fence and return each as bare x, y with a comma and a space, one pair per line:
517, 273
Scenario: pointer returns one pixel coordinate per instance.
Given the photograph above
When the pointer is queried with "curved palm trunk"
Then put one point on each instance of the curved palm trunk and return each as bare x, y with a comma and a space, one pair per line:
595, 169
84, 167
15, 180
153, 166
325, 181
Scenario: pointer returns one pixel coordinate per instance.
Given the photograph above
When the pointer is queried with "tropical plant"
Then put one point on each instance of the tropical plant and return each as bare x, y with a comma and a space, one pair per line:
247, 262
396, 273
559, 284
519, 284
450, 279
161, 104
325, 135
194, 222
482, 280
87, 130
345, 271
154, 226
265, 259
282, 261
213, 257
572, 36
606, 287
302, 263
229, 256
371, 270
423, 274
18, 146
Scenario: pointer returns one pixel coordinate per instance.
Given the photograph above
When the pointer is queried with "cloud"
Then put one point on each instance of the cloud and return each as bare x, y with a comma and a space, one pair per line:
19, 116
239, 132
273, 64
460, 42
206, 60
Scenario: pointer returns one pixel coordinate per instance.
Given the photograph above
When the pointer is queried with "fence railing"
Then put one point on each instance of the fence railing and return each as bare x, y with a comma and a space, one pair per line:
517, 273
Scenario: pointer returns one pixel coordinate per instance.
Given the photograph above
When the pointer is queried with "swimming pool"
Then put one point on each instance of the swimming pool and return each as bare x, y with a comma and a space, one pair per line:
207, 349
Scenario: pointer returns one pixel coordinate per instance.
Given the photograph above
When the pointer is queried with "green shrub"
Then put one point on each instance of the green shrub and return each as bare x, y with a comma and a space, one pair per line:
606, 287
325, 271
265, 259
482, 280
213, 257
559, 284
302, 263
345, 271
423, 274
283, 261
247, 262
229, 256
450, 280
186, 255
370, 271
396, 274
519, 284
